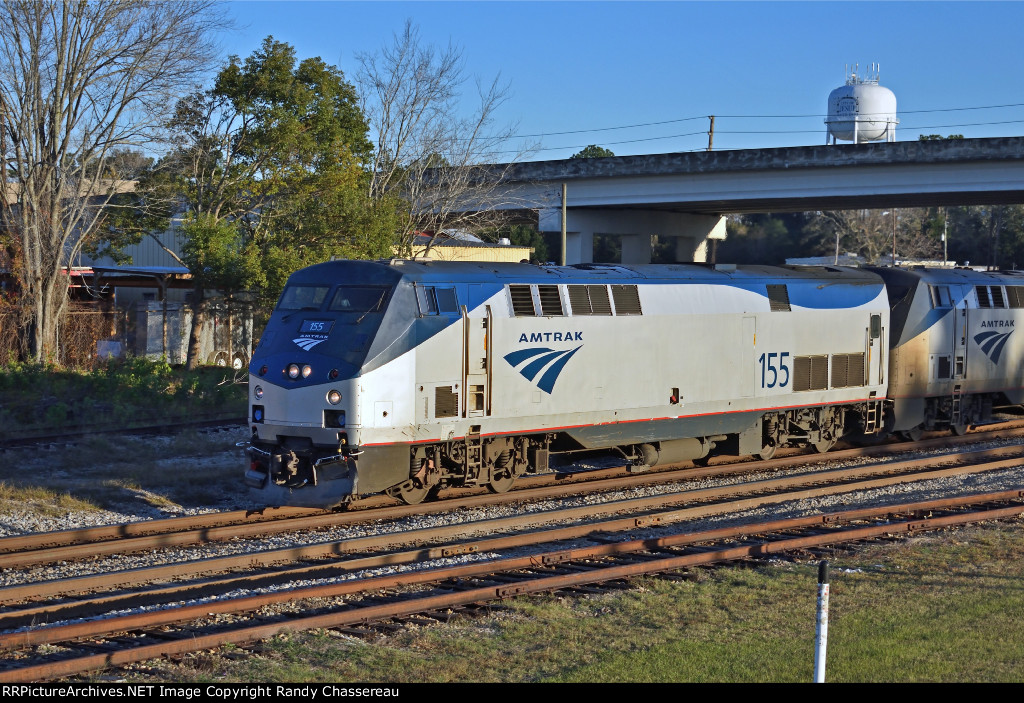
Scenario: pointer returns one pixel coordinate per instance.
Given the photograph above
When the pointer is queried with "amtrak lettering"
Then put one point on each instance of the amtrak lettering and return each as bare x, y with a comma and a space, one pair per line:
551, 337
997, 323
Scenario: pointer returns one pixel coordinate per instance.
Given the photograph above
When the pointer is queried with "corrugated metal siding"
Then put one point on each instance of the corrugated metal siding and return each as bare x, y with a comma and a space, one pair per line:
147, 252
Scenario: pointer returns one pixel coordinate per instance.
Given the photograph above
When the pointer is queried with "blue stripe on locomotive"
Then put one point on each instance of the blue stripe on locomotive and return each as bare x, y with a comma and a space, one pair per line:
400, 329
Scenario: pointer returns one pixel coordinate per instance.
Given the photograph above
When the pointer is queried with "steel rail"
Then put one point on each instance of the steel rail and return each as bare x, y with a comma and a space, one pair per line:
62, 633
208, 528
192, 537
594, 573
83, 584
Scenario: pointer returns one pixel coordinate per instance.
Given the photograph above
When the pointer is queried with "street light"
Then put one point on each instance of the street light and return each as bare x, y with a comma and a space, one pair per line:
893, 213
894, 237
945, 226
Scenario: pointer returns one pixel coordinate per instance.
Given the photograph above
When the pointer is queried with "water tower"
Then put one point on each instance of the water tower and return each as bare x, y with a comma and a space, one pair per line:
861, 110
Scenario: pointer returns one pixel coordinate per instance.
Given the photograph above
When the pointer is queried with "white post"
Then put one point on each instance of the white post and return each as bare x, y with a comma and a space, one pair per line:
821, 634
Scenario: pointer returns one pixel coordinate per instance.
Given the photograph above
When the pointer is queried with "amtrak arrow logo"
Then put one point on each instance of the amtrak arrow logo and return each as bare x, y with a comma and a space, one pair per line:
308, 343
992, 343
543, 359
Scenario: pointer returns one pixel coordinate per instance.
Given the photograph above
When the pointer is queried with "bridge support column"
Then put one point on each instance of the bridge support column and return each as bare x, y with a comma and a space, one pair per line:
636, 227
636, 248
579, 247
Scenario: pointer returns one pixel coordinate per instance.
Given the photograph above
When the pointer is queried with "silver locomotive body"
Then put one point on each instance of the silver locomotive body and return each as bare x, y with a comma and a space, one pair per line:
955, 353
406, 377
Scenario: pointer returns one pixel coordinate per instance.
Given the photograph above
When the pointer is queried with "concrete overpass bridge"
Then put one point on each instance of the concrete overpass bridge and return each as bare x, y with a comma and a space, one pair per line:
687, 195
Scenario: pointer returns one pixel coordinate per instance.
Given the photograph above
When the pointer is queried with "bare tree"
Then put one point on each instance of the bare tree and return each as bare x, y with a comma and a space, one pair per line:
426, 154
870, 233
80, 81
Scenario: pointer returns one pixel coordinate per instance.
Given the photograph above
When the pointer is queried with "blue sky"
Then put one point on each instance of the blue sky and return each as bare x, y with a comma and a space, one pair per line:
576, 66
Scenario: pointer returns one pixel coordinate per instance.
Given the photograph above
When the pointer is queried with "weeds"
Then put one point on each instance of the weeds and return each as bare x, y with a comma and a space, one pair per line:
46, 502
37, 399
126, 474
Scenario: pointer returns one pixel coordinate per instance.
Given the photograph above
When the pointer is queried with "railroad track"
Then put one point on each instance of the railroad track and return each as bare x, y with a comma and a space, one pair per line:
419, 594
705, 502
89, 543
71, 436
536, 531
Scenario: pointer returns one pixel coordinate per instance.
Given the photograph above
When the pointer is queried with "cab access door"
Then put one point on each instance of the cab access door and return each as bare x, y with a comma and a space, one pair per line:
476, 363
875, 351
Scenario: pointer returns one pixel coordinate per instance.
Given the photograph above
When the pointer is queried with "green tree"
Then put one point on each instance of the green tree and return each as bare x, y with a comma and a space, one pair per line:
592, 152
521, 235
269, 170
769, 239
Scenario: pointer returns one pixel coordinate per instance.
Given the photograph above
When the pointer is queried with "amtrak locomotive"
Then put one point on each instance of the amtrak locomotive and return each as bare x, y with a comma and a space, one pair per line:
954, 355
404, 377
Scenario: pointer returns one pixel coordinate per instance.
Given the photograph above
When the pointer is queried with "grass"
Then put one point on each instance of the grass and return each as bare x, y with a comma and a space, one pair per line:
135, 392
126, 474
944, 607
45, 501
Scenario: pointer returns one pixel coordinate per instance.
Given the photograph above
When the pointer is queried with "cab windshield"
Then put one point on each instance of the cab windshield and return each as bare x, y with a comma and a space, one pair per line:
303, 297
360, 299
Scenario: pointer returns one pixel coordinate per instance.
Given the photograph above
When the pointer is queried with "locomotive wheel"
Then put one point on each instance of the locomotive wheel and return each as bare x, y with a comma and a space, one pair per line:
913, 434
501, 483
416, 494
823, 446
960, 430
767, 452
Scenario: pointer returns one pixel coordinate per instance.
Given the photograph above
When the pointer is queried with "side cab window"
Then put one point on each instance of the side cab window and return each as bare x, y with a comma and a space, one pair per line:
437, 300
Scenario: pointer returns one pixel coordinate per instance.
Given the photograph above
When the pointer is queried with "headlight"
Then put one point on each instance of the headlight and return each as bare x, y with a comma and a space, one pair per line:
293, 371
306, 370
258, 392
333, 397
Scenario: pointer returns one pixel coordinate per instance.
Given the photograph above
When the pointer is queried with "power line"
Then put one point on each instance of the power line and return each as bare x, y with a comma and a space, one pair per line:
903, 127
704, 117
763, 131
901, 112
627, 141
609, 129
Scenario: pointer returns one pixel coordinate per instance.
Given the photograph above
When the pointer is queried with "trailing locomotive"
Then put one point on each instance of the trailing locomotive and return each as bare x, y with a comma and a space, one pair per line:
954, 352
407, 376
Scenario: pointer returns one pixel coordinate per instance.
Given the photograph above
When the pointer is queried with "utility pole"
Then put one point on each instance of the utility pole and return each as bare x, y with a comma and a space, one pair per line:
945, 229
563, 223
711, 132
